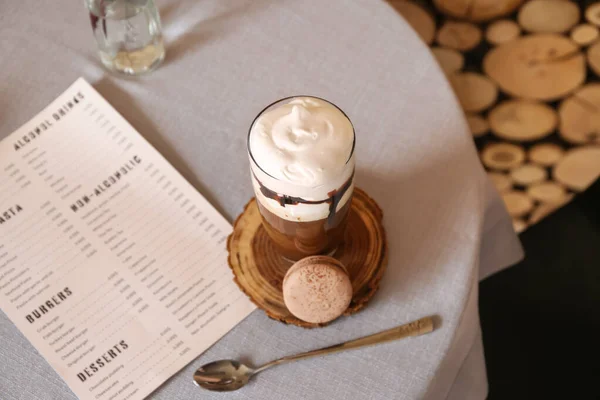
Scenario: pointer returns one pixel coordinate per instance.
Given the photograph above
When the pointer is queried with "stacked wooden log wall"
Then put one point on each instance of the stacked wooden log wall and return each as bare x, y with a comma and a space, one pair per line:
526, 74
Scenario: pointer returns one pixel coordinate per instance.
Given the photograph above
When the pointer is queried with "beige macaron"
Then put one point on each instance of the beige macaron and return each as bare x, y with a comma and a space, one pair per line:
317, 289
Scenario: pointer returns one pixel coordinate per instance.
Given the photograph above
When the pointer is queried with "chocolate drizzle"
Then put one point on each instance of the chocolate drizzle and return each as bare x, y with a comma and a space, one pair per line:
333, 199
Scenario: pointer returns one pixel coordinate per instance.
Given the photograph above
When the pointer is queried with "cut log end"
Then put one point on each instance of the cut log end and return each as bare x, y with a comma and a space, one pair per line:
502, 31
519, 225
450, 60
502, 182
477, 124
585, 34
478, 11
522, 120
546, 154
593, 58
502, 156
592, 14
419, 19
528, 174
579, 168
475, 92
462, 36
580, 116
547, 192
548, 16
540, 67
517, 203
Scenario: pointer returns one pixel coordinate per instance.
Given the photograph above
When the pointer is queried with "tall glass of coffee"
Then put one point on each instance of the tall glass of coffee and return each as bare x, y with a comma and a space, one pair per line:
301, 152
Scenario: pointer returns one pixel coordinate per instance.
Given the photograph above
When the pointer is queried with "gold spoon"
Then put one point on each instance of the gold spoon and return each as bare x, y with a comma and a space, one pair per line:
227, 375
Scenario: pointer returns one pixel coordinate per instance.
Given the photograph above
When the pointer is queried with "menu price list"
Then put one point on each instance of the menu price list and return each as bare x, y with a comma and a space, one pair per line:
112, 265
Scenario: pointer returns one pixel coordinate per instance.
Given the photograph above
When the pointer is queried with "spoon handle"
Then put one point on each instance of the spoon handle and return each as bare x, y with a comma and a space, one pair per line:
415, 328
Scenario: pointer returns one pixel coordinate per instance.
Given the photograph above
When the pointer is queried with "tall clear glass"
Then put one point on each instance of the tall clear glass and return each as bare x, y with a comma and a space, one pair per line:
303, 220
128, 33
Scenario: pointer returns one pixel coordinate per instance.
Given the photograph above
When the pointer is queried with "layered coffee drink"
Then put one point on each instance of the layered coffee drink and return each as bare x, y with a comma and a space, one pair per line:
302, 162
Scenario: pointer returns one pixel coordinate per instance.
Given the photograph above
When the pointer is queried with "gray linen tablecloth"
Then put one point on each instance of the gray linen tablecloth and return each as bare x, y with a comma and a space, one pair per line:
446, 226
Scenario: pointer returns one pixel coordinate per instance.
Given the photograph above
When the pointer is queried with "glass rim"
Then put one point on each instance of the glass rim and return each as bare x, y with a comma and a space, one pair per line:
289, 98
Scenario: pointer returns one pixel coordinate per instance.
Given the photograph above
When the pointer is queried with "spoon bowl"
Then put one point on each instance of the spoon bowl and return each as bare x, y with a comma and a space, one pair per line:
223, 375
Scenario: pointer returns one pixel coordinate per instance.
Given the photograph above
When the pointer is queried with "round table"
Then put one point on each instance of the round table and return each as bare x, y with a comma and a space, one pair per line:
446, 226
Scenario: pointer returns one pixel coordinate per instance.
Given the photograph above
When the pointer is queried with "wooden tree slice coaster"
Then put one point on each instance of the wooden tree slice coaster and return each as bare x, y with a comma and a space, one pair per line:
501, 181
592, 14
450, 60
502, 156
540, 66
419, 19
528, 174
502, 31
547, 192
522, 120
584, 34
579, 168
517, 203
546, 154
477, 124
259, 270
477, 10
548, 16
580, 116
475, 92
462, 36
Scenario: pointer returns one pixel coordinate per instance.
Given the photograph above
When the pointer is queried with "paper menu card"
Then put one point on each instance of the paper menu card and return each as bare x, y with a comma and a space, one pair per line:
111, 264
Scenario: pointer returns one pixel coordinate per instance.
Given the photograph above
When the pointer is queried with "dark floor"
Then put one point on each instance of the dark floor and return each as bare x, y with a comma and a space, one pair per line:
541, 318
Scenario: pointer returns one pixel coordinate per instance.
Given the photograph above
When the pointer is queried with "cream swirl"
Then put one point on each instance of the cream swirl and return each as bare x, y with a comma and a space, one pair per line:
305, 142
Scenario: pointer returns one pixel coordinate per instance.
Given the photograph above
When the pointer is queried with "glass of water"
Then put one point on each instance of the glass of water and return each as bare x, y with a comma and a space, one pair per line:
128, 33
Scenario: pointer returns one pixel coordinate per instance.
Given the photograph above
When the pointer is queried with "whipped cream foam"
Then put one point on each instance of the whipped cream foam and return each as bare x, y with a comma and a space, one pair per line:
303, 148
